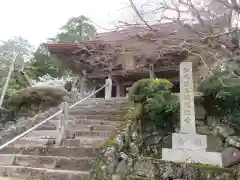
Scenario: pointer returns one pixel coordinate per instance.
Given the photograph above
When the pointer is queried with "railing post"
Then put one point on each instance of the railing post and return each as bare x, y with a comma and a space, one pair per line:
83, 84
11, 69
108, 88
62, 126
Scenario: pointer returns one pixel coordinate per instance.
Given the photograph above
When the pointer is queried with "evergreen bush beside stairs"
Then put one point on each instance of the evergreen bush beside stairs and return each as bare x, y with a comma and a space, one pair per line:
36, 156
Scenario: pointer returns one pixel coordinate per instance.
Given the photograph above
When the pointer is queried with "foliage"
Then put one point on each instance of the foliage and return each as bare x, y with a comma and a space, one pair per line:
76, 29
31, 100
24, 50
42, 64
162, 109
157, 99
40, 69
47, 80
17, 45
222, 95
146, 88
17, 82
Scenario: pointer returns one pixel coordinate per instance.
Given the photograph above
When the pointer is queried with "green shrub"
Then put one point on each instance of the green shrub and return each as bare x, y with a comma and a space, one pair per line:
146, 88
157, 99
163, 109
222, 95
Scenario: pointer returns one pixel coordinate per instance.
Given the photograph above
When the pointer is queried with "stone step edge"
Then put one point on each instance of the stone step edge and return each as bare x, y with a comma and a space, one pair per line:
36, 161
51, 147
45, 170
79, 138
53, 157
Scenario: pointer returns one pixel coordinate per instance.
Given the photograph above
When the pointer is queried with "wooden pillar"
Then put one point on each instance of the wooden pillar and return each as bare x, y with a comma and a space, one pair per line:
151, 71
83, 84
118, 89
94, 88
122, 89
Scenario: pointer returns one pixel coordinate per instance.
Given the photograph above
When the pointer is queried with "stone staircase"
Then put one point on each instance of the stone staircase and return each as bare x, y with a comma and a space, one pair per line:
35, 156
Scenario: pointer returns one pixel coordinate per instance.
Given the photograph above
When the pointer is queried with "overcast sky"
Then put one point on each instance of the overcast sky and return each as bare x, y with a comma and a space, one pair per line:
37, 20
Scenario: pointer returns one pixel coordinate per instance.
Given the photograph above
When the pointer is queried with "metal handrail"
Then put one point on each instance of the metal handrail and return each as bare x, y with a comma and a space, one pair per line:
41, 123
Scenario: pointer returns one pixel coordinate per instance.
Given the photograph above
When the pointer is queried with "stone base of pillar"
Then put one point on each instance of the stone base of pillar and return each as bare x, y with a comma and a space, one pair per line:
190, 156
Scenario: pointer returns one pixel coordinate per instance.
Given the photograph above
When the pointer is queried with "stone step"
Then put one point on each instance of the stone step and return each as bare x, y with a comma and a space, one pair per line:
42, 134
29, 173
101, 106
83, 151
76, 127
93, 112
51, 162
48, 126
112, 100
85, 122
52, 124
50, 134
109, 117
93, 133
85, 141
29, 142
80, 141
96, 127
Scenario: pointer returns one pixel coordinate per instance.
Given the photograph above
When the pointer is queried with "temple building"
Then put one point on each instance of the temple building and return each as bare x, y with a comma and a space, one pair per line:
125, 56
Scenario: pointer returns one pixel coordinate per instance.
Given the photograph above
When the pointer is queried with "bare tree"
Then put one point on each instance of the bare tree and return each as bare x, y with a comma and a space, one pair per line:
212, 26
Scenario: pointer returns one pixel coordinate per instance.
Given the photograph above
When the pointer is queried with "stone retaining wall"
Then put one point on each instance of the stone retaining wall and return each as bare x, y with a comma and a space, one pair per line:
134, 153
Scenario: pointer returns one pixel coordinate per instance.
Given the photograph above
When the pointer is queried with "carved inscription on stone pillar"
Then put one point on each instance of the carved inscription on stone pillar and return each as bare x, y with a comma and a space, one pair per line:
187, 99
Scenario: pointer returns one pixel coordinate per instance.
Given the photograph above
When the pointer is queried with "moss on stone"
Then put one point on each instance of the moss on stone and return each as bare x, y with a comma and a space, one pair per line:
132, 114
212, 168
148, 166
136, 177
110, 142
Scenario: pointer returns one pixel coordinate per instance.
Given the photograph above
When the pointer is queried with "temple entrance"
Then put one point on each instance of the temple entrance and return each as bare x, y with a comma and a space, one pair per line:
101, 94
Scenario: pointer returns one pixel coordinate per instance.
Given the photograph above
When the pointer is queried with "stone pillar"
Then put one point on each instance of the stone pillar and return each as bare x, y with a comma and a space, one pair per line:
188, 146
108, 88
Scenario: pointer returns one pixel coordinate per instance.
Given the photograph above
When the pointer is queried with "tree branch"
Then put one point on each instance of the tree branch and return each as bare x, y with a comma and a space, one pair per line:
139, 15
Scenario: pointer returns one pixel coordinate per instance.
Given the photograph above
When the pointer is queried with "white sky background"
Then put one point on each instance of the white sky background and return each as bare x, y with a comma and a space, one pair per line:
37, 20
